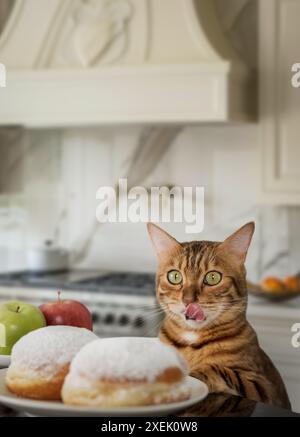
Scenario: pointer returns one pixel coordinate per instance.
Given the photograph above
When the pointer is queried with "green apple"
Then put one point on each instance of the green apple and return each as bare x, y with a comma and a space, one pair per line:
16, 320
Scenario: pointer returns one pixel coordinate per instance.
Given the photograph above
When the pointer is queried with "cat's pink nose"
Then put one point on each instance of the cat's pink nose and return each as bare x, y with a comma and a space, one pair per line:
188, 300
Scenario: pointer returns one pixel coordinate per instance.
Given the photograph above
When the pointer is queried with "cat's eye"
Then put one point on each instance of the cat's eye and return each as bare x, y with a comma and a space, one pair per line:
174, 277
212, 278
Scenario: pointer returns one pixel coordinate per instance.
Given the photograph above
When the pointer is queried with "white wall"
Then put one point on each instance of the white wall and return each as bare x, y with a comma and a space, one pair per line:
62, 171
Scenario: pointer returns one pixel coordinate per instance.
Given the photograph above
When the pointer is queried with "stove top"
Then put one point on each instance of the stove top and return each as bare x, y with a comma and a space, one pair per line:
83, 280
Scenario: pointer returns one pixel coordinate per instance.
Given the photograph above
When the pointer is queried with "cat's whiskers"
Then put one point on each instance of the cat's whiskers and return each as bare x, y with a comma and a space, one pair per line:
153, 316
152, 306
153, 329
150, 310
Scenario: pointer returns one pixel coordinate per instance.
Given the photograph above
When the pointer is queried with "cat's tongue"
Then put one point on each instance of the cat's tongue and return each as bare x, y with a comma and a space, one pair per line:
195, 312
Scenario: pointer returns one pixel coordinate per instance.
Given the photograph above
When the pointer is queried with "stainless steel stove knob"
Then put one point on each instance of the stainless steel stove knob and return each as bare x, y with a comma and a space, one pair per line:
109, 318
124, 320
95, 317
139, 322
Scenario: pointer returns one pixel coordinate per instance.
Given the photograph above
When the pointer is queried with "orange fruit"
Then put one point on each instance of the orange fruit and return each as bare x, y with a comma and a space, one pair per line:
272, 285
292, 283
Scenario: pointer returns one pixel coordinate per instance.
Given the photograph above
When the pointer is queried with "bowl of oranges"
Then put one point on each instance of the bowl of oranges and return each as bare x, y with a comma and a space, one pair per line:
276, 289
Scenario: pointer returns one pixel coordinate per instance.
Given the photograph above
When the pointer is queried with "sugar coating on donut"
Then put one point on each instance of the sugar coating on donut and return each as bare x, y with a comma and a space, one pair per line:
47, 349
125, 358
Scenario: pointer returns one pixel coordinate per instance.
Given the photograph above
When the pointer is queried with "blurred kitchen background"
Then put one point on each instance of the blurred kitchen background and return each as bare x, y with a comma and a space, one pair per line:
178, 92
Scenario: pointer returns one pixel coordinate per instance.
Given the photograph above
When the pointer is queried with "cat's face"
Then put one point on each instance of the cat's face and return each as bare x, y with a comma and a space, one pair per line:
201, 283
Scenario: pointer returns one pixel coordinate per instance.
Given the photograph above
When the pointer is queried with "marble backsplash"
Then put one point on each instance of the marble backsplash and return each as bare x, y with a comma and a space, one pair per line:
49, 180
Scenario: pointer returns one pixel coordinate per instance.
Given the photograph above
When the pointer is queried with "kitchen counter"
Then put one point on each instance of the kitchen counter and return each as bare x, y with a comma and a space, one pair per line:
215, 405
273, 322
288, 309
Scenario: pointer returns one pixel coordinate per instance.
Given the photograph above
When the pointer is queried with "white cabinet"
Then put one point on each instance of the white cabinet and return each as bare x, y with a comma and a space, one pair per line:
280, 101
137, 61
273, 324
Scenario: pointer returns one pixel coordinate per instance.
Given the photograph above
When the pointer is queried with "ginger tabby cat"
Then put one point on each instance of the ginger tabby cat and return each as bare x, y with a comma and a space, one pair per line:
202, 288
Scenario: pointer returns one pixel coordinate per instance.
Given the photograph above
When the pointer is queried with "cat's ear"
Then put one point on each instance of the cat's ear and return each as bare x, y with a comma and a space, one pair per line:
162, 241
236, 246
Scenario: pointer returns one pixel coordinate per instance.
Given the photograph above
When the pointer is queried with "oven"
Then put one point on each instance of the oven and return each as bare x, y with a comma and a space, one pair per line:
121, 303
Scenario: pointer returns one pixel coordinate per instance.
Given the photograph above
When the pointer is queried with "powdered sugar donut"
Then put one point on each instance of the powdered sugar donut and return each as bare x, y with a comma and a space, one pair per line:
40, 360
125, 371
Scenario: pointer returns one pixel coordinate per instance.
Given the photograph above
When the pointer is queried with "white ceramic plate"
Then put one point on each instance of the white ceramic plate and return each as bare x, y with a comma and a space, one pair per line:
199, 391
4, 361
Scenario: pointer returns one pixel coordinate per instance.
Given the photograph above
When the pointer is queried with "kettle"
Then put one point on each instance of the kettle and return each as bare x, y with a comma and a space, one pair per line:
47, 258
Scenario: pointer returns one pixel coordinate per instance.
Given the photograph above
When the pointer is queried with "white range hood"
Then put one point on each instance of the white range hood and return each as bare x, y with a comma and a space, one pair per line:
83, 62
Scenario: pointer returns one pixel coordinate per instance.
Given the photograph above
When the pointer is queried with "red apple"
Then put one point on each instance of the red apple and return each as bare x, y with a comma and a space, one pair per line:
67, 312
